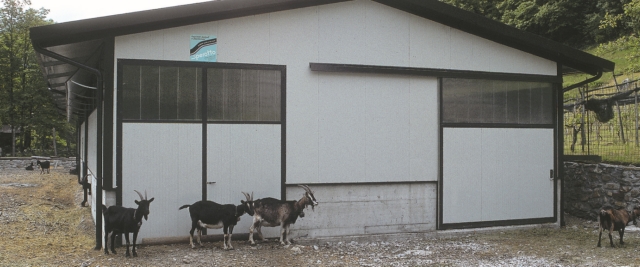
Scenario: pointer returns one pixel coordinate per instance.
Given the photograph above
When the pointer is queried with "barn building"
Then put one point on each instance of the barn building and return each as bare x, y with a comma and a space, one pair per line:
402, 115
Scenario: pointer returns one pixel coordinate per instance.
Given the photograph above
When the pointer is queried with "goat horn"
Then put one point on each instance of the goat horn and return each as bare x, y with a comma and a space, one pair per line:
252, 196
306, 188
140, 194
246, 196
145, 195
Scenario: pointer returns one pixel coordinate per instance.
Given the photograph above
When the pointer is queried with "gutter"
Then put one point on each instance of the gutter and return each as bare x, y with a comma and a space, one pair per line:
100, 90
582, 83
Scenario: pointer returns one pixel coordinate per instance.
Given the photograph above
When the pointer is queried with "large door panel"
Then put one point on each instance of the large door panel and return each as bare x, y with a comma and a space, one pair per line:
494, 174
243, 158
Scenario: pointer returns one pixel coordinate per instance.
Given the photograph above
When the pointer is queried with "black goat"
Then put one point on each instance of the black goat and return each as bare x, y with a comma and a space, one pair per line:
272, 212
30, 167
120, 220
44, 165
208, 214
86, 187
616, 220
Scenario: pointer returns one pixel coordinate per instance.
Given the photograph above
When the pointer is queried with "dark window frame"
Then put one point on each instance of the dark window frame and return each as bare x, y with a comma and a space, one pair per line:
203, 67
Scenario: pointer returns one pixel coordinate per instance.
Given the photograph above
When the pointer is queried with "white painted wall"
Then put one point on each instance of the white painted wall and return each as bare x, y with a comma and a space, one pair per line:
487, 177
354, 32
243, 158
92, 162
159, 158
346, 127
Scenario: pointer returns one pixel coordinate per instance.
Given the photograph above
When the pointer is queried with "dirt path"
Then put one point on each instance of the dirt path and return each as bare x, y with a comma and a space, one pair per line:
42, 224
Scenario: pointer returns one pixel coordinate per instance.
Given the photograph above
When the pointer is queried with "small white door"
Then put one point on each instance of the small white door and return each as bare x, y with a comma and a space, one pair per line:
243, 158
497, 174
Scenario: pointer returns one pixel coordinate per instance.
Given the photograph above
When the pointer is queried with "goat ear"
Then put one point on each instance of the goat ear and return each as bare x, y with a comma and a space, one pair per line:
137, 202
151, 199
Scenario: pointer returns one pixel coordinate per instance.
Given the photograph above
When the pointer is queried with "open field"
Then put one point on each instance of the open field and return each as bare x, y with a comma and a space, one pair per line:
42, 224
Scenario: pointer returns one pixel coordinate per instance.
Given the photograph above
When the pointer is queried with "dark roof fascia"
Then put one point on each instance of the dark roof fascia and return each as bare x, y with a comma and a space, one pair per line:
157, 19
501, 33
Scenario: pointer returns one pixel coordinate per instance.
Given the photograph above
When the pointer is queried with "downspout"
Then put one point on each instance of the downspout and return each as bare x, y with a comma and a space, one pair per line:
98, 135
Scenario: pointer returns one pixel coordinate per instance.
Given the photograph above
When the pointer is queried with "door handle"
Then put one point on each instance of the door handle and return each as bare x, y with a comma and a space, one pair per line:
211, 182
551, 174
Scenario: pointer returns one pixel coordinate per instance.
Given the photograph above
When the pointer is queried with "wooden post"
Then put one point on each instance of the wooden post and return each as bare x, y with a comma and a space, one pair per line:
619, 113
55, 148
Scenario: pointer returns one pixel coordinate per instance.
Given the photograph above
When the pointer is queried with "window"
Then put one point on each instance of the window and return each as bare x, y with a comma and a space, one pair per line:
496, 102
155, 92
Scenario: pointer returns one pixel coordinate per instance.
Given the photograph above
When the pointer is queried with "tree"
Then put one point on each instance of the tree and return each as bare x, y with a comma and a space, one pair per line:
24, 100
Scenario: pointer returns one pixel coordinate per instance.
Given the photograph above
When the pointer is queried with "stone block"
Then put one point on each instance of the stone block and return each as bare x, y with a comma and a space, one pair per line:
612, 186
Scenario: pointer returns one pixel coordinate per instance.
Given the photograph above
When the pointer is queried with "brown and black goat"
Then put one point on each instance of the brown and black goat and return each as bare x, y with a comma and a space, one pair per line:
44, 165
272, 212
209, 214
615, 220
121, 220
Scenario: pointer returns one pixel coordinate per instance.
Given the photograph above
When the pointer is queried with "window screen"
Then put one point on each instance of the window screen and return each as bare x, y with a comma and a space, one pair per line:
168, 93
496, 102
243, 95
161, 93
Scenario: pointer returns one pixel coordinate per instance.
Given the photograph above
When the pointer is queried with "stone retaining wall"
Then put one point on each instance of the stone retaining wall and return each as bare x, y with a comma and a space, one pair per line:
588, 187
21, 163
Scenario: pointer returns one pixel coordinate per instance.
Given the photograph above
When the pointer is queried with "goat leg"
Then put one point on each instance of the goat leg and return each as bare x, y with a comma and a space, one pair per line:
283, 230
253, 227
106, 243
599, 237
610, 237
135, 236
230, 233
621, 232
113, 243
259, 230
126, 237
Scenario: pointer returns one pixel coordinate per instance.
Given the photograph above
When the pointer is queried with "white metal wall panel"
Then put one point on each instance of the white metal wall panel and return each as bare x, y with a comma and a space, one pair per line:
165, 160
366, 209
354, 32
243, 158
424, 164
376, 129
502, 174
92, 149
462, 175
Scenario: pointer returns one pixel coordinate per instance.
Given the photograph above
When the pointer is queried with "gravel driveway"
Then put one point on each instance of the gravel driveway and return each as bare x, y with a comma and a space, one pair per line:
42, 224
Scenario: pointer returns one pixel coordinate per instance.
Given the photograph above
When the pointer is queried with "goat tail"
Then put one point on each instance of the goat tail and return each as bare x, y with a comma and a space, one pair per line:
184, 206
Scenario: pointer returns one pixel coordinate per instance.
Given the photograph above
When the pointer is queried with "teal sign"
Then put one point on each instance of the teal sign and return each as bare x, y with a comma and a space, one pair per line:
204, 48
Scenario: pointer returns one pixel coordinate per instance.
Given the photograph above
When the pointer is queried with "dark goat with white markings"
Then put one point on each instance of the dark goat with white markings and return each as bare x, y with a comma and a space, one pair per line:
44, 165
272, 212
209, 214
616, 220
120, 220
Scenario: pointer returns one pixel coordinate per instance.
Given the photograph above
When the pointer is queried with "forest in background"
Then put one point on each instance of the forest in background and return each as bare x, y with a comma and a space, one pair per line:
607, 28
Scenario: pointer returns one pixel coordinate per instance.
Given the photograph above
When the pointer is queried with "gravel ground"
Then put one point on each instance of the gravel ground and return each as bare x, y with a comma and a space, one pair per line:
58, 232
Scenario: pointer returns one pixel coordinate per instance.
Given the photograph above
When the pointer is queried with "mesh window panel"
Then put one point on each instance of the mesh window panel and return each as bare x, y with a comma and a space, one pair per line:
269, 95
189, 93
496, 102
168, 93
149, 97
250, 95
130, 92
232, 95
214, 94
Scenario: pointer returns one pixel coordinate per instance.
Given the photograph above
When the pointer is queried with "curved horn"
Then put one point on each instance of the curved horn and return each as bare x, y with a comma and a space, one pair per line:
306, 188
247, 196
140, 194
